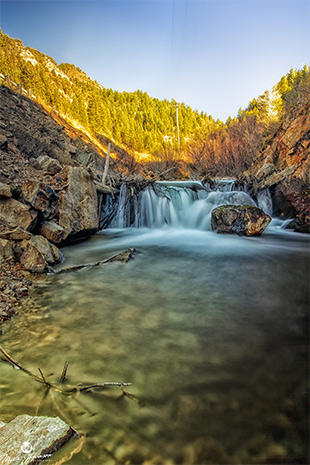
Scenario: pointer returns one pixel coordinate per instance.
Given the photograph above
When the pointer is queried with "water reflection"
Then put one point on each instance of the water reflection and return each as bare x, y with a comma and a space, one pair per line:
211, 330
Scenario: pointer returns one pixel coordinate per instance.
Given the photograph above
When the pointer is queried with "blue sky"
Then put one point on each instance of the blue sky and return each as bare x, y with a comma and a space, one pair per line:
214, 55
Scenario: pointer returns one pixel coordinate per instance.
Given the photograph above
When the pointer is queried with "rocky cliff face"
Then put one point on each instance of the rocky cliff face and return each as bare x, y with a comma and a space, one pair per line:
283, 167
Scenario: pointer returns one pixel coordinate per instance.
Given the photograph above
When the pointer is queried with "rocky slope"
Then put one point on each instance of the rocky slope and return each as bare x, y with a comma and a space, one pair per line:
283, 166
49, 186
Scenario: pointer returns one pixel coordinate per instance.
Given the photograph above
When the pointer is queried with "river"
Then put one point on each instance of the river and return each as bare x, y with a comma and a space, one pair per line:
211, 330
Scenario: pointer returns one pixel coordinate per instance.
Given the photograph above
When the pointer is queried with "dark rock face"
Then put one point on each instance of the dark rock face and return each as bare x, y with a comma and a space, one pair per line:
244, 220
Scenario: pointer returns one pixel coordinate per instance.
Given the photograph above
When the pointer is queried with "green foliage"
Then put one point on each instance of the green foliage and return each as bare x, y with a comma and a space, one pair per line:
134, 119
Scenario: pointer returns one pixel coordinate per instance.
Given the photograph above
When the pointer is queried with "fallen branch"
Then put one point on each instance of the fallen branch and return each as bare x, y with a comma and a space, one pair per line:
120, 257
70, 390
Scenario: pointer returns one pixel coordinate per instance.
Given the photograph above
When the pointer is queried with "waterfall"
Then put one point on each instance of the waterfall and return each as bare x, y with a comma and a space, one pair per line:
178, 204
264, 201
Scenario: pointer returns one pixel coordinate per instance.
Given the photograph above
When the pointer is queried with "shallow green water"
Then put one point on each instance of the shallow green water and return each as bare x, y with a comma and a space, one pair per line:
212, 332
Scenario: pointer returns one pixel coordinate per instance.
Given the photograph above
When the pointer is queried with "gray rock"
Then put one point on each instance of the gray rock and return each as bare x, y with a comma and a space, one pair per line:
82, 157
244, 220
70, 147
60, 154
31, 440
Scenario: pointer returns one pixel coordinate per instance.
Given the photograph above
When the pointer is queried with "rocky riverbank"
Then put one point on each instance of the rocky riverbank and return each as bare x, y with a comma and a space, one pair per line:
49, 188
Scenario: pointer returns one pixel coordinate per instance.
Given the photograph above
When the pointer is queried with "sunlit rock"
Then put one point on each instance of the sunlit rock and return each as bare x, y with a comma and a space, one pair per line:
78, 205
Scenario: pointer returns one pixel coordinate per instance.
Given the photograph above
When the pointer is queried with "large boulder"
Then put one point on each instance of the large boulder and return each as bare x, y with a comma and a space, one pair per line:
78, 204
244, 220
14, 213
38, 253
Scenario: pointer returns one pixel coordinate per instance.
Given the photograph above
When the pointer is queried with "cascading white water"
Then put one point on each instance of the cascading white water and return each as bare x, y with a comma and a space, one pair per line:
179, 204
264, 201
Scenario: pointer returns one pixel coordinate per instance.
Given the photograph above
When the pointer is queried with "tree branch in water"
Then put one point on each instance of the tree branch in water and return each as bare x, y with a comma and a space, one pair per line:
120, 257
70, 389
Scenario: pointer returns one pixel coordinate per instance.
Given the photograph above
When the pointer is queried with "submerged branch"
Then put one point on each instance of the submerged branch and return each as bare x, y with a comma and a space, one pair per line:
70, 390
120, 257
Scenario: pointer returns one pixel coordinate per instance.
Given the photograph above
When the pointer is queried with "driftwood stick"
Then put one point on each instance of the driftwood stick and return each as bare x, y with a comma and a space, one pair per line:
100, 386
64, 373
123, 256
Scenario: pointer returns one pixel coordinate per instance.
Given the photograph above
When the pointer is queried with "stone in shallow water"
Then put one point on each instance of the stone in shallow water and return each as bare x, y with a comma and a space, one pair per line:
29, 440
